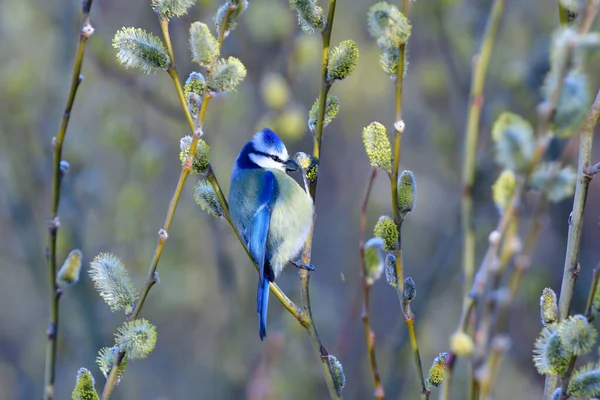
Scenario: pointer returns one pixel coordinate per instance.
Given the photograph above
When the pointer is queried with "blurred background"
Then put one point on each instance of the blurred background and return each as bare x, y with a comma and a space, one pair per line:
123, 146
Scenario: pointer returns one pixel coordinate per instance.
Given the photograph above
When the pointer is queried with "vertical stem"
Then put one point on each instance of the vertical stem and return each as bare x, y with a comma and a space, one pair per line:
324, 90
590, 301
399, 127
412, 335
576, 225
369, 335
480, 67
591, 9
566, 378
306, 251
86, 31
314, 336
562, 14
576, 220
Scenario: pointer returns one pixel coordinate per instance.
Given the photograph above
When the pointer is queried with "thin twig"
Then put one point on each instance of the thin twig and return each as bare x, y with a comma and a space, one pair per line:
369, 335
399, 127
566, 378
562, 14
589, 313
585, 23
487, 372
570, 271
500, 345
544, 135
592, 171
85, 32
196, 127
307, 249
576, 219
480, 66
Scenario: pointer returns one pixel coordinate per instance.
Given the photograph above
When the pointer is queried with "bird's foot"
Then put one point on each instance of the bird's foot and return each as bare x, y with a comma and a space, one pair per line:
300, 264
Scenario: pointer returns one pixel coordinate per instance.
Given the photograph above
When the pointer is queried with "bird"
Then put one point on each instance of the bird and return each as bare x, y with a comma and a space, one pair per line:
271, 211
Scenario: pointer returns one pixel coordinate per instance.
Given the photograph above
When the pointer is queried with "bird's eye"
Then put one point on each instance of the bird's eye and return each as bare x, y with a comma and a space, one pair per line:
275, 158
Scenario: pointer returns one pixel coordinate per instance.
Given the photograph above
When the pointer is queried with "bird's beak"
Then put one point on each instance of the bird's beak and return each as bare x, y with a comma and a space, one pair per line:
291, 165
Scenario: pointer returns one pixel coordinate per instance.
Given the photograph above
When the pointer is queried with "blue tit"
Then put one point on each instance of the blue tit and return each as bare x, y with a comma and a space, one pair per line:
271, 211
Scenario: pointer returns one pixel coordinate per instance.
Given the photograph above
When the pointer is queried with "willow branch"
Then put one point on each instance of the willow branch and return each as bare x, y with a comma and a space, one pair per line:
589, 313
488, 372
576, 220
369, 334
307, 249
480, 67
85, 32
196, 127
544, 135
575, 228
399, 127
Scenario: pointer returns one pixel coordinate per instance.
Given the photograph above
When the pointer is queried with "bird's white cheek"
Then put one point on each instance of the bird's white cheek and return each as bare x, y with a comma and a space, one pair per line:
266, 162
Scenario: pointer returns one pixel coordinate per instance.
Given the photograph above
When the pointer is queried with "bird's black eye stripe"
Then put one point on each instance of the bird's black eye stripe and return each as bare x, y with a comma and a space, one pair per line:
271, 156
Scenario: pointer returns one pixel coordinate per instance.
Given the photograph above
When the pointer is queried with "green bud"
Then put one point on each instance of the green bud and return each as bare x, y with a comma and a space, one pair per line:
106, 359
374, 259
438, 370
207, 199
140, 49
227, 75
549, 354
201, 160
585, 382
310, 15
573, 102
568, 50
171, 8
558, 183
203, 44
308, 164
577, 335
377, 145
388, 25
562, 39
84, 388
136, 338
332, 107
571, 7
548, 307
407, 191
388, 61
461, 344
410, 290
387, 230
390, 270
342, 61
194, 89
112, 282
337, 372
238, 7
513, 137
503, 189
69, 272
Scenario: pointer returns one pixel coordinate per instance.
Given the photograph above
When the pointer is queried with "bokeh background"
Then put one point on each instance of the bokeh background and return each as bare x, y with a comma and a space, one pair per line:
123, 145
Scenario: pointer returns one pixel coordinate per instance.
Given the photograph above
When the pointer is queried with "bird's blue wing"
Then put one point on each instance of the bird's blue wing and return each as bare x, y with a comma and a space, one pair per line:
257, 237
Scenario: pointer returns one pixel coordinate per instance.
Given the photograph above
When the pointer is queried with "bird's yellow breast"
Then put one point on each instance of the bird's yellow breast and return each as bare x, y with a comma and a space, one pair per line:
291, 221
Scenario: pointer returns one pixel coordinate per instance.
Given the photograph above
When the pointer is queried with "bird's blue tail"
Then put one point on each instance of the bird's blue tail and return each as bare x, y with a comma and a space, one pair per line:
262, 305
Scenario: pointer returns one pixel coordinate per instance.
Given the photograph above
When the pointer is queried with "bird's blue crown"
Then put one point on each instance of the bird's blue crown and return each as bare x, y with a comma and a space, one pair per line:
265, 150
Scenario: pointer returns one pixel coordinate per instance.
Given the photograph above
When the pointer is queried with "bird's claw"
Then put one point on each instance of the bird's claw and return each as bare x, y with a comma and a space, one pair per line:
300, 264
